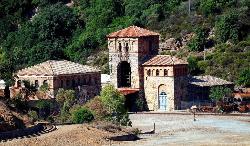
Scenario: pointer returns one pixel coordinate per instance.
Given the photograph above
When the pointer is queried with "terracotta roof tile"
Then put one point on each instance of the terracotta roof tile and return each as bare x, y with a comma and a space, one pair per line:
56, 67
133, 31
160, 60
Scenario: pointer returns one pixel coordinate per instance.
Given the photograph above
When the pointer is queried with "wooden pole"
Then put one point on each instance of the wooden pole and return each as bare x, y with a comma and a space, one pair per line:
154, 127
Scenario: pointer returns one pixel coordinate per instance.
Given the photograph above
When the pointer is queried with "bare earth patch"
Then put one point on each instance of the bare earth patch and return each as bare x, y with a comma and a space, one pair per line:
173, 130
182, 130
75, 135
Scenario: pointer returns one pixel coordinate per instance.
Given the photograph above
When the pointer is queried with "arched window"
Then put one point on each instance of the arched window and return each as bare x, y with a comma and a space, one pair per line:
149, 72
157, 72
120, 47
165, 72
126, 47
36, 84
19, 83
45, 82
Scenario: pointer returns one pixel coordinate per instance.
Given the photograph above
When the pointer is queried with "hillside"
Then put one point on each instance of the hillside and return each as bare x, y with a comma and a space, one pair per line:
33, 31
10, 120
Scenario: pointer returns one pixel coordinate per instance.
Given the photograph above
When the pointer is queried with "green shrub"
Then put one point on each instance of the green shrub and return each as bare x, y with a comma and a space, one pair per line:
244, 78
82, 115
227, 28
33, 115
97, 107
114, 103
139, 104
217, 93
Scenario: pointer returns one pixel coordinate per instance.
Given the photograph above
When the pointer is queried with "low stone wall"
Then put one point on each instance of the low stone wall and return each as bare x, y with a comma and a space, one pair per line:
21, 132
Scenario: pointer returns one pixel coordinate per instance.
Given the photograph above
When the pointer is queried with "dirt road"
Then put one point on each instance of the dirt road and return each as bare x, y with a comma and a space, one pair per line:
182, 130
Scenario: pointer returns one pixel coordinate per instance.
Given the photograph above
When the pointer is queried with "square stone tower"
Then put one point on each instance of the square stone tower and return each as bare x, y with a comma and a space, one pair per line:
129, 48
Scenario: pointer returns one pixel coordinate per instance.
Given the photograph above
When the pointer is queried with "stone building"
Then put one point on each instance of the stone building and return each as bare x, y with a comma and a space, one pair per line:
136, 67
199, 86
165, 82
62, 74
162, 81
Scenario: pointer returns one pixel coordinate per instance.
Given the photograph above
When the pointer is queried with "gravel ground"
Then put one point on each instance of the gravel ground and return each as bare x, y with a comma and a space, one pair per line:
170, 130
68, 135
182, 130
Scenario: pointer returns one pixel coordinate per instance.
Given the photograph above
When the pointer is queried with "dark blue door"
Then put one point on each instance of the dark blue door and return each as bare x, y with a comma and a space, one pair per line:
163, 101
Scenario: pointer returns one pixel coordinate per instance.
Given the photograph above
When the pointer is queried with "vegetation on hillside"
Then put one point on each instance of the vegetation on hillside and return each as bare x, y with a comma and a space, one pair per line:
33, 31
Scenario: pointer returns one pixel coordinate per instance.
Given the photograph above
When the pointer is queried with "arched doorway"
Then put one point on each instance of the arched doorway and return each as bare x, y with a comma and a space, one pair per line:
163, 101
124, 74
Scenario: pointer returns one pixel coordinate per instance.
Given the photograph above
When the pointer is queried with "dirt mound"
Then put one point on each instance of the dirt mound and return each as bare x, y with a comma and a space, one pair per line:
7, 120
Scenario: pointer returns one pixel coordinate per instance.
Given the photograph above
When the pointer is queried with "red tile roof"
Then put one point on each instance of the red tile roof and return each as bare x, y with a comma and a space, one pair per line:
127, 91
132, 31
160, 60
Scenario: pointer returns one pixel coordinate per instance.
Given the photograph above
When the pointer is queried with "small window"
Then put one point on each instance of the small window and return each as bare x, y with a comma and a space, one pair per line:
19, 83
126, 47
45, 82
165, 72
149, 72
157, 72
120, 47
67, 83
78, 82
61, 83
73, 83
36, 84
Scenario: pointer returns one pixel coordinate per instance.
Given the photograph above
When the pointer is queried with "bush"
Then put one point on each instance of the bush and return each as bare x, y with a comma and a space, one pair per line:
244, 78
97, 107
227, 27
197, 43
82, 115
218, 93
63, 96
33, 115
139, 104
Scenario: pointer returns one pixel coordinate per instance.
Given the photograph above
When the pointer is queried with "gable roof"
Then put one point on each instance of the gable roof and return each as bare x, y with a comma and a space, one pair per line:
207, 81
132, 31
56, 67
161, 60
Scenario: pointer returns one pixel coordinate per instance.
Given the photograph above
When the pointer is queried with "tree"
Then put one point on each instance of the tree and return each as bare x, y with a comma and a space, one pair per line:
114, 102
198, 42
227, 27
65, 97
193, 65
43, 38
244, 78
218, 93
82, 115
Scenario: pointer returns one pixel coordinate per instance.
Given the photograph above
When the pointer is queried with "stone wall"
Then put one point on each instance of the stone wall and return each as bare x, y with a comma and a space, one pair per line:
153, 85
89, 82
174, 86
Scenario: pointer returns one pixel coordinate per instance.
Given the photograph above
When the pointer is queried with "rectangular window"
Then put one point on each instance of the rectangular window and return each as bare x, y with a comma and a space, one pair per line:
61, 84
